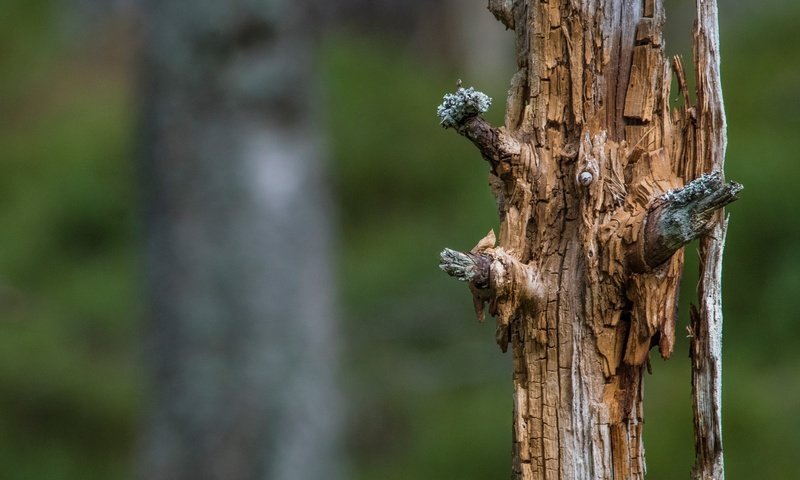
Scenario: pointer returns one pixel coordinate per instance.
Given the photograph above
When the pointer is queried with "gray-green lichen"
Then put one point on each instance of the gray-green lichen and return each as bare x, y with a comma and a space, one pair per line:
697, 188
687, 210
459, 265
465, 102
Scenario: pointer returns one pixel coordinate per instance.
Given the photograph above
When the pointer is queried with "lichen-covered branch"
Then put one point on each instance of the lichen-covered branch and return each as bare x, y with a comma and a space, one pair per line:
706, 349
464, 103
461, 111
498, 279
467, 267
681, 215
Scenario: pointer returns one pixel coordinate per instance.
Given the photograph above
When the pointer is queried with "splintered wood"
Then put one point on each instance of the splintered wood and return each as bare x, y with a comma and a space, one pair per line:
581, 286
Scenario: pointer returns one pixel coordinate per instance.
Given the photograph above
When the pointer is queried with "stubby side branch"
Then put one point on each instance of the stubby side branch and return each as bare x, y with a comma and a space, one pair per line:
680, 216
461, 111
497, 278
467, 267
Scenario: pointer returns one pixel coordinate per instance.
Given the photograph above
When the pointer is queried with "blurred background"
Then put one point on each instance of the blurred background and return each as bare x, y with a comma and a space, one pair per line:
120, 256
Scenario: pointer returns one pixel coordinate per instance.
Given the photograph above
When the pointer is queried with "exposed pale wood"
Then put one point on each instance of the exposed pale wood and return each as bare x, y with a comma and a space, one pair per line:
589, 173
641, 95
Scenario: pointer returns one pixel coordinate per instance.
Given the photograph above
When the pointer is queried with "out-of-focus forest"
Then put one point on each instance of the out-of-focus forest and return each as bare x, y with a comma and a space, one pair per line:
426, 390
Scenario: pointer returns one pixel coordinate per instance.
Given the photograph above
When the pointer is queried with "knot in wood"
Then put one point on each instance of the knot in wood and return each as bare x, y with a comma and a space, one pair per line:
585, 178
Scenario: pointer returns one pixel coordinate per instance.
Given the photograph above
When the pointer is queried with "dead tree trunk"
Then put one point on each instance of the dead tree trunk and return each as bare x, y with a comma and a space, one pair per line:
589, 173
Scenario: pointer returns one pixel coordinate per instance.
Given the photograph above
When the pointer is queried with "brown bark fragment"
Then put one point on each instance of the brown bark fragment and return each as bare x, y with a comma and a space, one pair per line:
649, 8
648, 32
645, 72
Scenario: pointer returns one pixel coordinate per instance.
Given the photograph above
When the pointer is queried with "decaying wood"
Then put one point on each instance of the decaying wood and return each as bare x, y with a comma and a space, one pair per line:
593, 178
706, 344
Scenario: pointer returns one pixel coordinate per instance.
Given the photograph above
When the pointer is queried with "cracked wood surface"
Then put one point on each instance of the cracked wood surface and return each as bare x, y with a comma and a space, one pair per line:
589, 173
706, 323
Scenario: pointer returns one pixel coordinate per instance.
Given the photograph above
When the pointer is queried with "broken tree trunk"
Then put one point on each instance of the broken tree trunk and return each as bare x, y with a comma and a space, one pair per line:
590, 174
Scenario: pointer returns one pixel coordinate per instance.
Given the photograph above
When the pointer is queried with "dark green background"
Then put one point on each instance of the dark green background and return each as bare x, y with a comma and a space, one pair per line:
429, 392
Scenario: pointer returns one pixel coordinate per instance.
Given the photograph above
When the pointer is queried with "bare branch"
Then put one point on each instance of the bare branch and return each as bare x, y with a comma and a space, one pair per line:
499, 279
682, 215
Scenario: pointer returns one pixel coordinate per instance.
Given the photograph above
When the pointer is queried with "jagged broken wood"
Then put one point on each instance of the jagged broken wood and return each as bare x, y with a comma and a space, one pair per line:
598, 185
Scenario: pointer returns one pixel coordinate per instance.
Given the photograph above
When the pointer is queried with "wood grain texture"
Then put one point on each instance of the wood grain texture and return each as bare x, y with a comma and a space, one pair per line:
706, 346
584, 274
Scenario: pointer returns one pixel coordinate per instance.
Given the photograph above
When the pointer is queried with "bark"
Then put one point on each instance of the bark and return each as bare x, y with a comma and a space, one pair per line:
598, 186
241, 343
706, 325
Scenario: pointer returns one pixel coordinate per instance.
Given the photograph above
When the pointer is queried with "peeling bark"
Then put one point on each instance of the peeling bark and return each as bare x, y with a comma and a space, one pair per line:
590, 173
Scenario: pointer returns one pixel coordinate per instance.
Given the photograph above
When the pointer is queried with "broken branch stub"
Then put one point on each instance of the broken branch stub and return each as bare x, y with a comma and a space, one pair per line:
497, 278
461, 111
467, 267
679, 216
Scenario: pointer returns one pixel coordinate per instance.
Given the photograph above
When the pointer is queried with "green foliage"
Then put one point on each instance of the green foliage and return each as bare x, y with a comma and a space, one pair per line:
417, 362
69, 386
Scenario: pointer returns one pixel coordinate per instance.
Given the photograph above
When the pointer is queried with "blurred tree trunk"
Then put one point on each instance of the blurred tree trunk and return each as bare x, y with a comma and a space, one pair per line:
486, 58
590, 173
241, 343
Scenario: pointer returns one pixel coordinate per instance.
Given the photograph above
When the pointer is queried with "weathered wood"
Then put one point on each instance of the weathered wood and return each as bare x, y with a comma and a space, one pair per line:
680, 216
589, 173
503, 10
706, 344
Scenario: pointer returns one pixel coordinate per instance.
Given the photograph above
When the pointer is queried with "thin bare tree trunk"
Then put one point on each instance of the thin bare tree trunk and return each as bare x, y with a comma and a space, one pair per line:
706, 325
241, 341
589, 172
